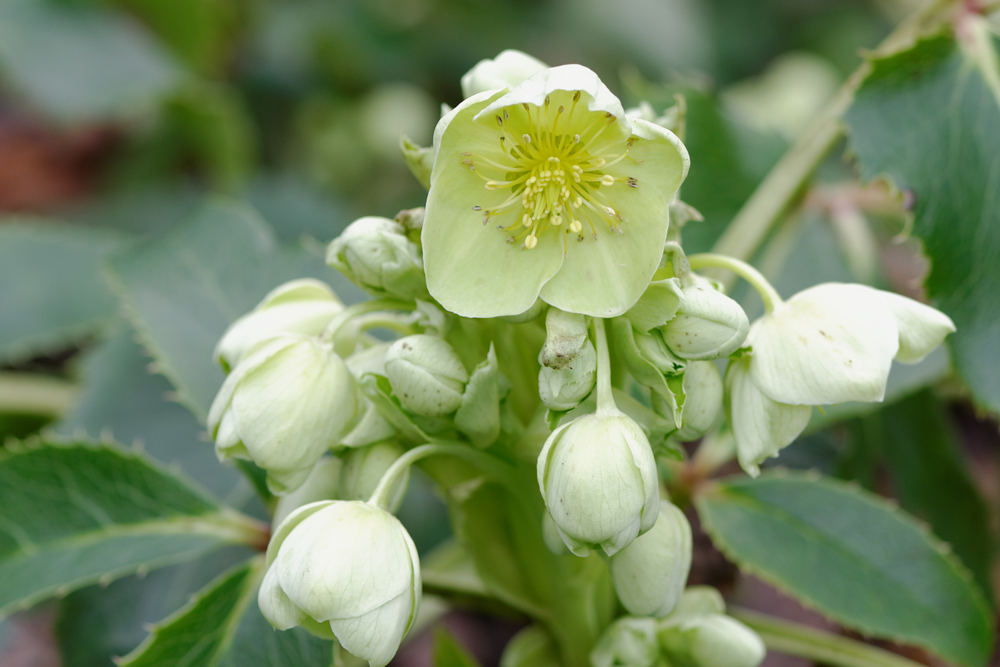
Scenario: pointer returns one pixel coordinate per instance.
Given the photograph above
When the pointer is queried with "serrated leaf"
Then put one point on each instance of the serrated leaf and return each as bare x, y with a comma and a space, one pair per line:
185, 288
53, 291
854, 558
449, 653
81, 63
222, 625
75, 514
929, 119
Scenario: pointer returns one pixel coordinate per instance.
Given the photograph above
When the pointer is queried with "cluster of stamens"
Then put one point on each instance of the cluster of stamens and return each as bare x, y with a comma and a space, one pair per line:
555, 181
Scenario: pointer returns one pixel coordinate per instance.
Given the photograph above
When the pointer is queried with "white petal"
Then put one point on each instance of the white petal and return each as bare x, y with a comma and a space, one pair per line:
375, 636
921, 328
762, 426
277, 608
831, 343
505, 71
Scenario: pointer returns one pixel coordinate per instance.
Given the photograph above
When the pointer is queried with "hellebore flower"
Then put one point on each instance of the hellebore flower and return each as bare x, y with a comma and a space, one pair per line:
346, 568
547, 190
827, 344
283, 407
598, 478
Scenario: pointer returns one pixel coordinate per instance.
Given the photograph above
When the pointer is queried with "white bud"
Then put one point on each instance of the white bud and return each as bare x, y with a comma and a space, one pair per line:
698, 403
708, 325
364, 467
649, 574
598, 478
566, 388
377, 256
426, 375
300, 306
628, 642
346, 566
505, 71
712, 640
283, 407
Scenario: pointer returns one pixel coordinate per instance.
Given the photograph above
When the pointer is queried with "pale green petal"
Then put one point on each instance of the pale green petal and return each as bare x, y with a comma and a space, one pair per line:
344, 561
473, 104
304, 289
471, 268
569, 78
508, 69
275, 605
293, 519
921, 328
375, 636
828, 344
762, 426
662, 158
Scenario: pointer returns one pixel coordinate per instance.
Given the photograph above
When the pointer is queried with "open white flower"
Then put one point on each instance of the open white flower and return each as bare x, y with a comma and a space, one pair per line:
547, 190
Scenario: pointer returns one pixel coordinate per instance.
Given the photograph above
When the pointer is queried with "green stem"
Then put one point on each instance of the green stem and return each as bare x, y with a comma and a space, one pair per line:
605, 396
26, 394
497, 469
768, 294
822, 647
362, 308
401, 324
774, 194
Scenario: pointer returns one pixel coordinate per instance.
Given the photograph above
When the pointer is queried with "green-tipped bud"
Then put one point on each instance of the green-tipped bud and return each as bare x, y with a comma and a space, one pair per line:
697, 404
708, 325
426, 375
628, 642
649, 574
566, 388
712, 640
343, 569
377, 256
364, 467
321, 484
598, 478
565, 337
297, 307
283, 407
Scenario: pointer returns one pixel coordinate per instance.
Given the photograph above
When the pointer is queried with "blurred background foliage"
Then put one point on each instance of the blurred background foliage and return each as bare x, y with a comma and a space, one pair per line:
123, 121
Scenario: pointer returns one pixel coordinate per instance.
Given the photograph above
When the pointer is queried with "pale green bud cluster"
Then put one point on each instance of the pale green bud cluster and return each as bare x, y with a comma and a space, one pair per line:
376, 254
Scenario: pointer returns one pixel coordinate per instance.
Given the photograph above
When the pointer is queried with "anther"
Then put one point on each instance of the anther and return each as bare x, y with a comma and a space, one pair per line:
466, 154
556, 220
491, 185
632, 183
505, 114
546, 100
477, 208
576, 96
526, 138
576, 227
530, 241
499, 120
607, 179
576, 138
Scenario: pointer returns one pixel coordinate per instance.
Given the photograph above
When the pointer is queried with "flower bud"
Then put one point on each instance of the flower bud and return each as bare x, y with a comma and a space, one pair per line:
565, 336
301, 306
708, 325
344, 567
426, 375
321, 484
566, 388
698, 402
628, 642
712, 640
364, 467
372, 427
649, 574
506, 70
598, 478
378, 257
283, 407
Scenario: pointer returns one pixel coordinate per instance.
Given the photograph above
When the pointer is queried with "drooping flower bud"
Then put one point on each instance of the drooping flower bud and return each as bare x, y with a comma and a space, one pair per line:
321, 484
377, 256
598, 478
298, 307
708, 324
283, 407
628, 642
565, 337
697, 404
649, 574
506, 70
426, 375
344, 568
712, 640
567, 387
363, 468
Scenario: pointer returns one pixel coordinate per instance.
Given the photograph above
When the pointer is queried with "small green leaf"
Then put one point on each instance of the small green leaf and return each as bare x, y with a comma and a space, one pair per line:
929, 119
853, 557
53, 292
449, 653
479, 415
75, 514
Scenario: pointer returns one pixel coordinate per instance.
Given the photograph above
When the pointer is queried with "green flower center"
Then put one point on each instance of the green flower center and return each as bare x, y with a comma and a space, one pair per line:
556, 175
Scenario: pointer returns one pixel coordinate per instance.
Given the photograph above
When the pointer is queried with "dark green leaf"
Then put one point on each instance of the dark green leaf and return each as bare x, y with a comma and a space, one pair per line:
185, 288
53, 292
81, 63
76, 514
449, 653
929, 119
853, 557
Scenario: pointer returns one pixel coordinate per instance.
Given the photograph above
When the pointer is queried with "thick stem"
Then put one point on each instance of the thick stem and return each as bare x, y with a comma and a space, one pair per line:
822, 647
605, 397
22, 393
748, 229
492, 466
768, 294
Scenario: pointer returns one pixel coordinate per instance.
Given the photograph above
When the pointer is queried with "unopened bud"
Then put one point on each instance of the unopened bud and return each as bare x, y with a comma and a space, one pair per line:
697, 404
377, 256
708, 325
628, 642
713, 640
426, 375
363, 469
565, 336
566, 388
